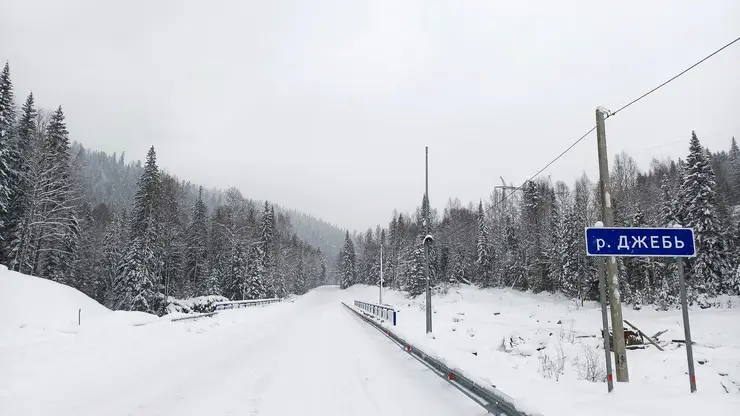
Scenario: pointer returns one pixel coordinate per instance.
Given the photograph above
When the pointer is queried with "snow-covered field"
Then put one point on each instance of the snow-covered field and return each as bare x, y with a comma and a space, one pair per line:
307, 356
550, 334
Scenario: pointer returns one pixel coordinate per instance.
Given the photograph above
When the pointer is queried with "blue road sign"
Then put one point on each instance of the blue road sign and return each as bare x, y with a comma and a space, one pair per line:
640, 242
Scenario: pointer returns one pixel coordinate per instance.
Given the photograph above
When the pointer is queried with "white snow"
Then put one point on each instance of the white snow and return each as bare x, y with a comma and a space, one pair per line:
517, 339
40, 306
30, 302
307, 357
312, 357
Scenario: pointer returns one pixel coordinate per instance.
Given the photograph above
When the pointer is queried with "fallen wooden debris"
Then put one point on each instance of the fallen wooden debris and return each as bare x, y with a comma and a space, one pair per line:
643, 334
659, 333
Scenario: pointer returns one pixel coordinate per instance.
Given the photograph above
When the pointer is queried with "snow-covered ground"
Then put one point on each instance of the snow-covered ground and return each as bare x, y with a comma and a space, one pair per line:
550, 334
310, 356
307, 356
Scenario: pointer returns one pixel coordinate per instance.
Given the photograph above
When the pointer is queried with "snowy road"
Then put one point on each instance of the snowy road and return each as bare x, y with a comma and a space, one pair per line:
311, 357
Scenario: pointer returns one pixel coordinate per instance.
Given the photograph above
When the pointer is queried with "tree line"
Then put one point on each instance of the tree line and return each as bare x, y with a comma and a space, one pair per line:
56, 223
533, 238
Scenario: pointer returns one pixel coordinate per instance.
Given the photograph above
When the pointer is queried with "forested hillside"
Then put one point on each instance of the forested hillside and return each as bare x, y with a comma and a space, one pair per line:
533, 239
128, 234
112, 179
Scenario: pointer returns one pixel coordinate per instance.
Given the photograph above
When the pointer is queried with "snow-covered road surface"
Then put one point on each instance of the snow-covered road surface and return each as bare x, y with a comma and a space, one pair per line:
311, 357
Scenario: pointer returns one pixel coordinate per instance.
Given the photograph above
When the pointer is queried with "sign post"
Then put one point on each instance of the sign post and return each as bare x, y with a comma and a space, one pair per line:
649, 242
686, 328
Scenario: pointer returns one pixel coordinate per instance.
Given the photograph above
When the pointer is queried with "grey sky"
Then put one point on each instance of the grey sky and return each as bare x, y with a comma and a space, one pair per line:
326, 105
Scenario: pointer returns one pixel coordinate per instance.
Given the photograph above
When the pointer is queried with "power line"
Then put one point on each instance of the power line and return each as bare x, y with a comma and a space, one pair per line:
673, 78
455, 232
503, 199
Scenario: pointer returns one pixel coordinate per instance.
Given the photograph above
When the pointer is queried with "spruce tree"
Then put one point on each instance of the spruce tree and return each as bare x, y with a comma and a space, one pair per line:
734, 172
347, 263
698, 197
114, 248
7, 121
300, 284
196, 253
17, 222
557, 248
415, 277
137, 273
669, 208
322, 270
483, 246
173, 239
59, 227
254, 286
135, 279
531, 241
260, 258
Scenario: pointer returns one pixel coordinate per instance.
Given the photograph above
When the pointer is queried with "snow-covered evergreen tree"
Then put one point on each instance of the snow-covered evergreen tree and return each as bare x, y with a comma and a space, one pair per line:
484, 261
135, 279
347, 267
669, 204
7, 121
531, 245
734, 172
698, 198
17, 222
260, 259
114, 247
58, 226
137, 273
416, 279
197, 240
173, 239
254, 286
322, 279
300, 280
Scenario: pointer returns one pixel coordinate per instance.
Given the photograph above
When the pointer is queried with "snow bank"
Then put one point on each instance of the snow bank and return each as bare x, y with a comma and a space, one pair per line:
538, 348
27, 301
33, 307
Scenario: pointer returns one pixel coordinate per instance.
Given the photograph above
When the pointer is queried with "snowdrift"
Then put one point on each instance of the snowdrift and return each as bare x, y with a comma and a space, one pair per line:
32, 301
28, 302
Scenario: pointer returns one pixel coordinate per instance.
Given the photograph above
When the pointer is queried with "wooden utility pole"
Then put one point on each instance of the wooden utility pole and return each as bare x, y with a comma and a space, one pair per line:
620, 350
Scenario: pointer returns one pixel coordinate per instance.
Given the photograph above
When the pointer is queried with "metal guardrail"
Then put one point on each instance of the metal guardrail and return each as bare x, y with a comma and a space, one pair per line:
383, 312
238, 304
491, 399
201, 315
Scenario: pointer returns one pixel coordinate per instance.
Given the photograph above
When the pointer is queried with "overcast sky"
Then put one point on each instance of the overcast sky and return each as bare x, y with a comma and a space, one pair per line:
326, 105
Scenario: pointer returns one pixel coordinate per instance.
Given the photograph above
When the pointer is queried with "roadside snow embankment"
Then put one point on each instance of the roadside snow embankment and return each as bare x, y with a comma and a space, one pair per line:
28, 302
34, 309
546, 351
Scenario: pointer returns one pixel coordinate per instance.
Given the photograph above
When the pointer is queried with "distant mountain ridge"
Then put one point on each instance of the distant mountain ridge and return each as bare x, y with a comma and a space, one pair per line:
112, 179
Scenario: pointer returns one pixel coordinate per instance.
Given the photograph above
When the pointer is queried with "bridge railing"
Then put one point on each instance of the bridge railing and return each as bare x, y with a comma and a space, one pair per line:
383, 312
238, 304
